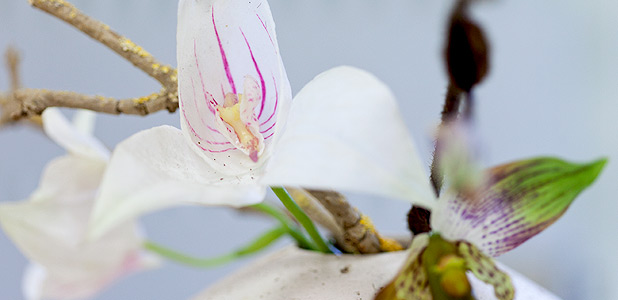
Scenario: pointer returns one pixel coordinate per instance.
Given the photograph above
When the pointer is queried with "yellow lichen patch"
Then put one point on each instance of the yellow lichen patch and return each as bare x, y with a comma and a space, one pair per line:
174, 76
389, 245
367, 223
129, 46
142, 100
386, 244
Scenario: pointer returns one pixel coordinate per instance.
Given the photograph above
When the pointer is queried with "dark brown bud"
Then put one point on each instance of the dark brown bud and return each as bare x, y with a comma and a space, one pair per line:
466, 50
418, 220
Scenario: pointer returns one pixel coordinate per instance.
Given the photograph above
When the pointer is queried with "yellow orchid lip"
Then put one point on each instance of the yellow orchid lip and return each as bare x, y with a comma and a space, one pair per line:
229, 113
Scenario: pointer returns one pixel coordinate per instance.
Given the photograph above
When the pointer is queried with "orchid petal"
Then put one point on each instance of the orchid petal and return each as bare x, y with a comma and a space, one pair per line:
484, 268
61, 131
220, 43
70, 179
50, 229
157, 168
521, 200
411, 282
345, 132
84, 121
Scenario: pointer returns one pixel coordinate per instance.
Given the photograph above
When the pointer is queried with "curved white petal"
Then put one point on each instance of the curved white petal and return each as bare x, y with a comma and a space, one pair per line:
70, 179
157, 168
75, 141
345, 132
219, 44
84, 121
51, 234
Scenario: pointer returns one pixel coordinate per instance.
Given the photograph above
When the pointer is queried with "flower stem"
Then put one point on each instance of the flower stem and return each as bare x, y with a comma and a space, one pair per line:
302, 218
258, 244
286, 223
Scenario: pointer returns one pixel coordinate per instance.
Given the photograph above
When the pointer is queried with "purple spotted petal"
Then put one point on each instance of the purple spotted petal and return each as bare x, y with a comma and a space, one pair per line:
523, 199
220, 44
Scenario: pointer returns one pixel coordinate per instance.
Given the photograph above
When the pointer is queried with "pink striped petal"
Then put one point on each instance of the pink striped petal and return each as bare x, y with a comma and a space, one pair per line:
223, 46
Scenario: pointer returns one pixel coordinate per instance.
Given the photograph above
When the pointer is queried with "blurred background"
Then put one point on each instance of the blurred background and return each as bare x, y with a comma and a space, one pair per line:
552, 90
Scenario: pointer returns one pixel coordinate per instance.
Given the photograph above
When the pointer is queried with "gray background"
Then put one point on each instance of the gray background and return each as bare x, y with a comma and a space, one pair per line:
552, 91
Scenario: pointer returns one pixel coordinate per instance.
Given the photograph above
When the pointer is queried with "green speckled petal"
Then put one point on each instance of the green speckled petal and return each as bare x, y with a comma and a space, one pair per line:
483, 268
521, 200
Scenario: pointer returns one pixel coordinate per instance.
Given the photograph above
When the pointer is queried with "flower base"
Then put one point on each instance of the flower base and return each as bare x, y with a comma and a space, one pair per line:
296, 274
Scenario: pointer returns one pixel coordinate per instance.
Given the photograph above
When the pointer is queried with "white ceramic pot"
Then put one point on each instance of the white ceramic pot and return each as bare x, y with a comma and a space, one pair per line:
296, 274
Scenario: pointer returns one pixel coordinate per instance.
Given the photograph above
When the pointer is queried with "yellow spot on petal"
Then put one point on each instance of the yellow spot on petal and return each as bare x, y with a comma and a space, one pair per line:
230, 114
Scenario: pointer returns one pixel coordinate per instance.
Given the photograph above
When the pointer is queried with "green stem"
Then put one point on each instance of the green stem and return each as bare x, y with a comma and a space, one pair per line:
258, 244
286, 223
302, 218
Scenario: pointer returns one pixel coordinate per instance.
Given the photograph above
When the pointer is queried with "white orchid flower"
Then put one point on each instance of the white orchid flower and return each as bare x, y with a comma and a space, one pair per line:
50, 227
242, 132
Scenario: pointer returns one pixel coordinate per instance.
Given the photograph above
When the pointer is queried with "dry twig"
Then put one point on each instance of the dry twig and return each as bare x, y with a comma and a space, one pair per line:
8, 103
359, 233
33, 101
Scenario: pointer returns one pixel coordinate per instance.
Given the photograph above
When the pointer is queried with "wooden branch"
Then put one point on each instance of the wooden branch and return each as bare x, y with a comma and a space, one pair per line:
318, 214
35, 101
20, 103
8, 103
164, 74
359, 233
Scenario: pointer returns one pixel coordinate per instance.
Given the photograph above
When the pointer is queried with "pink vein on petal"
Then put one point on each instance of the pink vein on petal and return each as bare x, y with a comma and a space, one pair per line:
199, 71
266, 29
276, 102
184, 113
215, 151
259, 74
269, 128
226, 65
270, 135
212, 129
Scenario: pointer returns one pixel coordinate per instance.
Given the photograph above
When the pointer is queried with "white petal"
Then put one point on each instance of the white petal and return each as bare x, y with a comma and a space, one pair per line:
157, 168
34, 275
84, 121
70, 179
61, 131
219, 43
51, 234
345, 132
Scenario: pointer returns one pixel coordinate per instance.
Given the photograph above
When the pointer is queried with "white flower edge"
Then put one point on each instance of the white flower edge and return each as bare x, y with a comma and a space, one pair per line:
345, 132
156, 169
49, 228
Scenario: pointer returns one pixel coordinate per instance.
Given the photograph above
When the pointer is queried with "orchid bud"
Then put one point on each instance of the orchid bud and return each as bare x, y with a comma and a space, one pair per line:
466, 50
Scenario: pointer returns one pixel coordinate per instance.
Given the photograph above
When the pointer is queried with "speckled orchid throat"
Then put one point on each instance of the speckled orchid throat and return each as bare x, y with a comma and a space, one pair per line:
235, 111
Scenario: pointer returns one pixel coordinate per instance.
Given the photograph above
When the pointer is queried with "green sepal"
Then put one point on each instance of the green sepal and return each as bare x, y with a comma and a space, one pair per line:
519, 200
